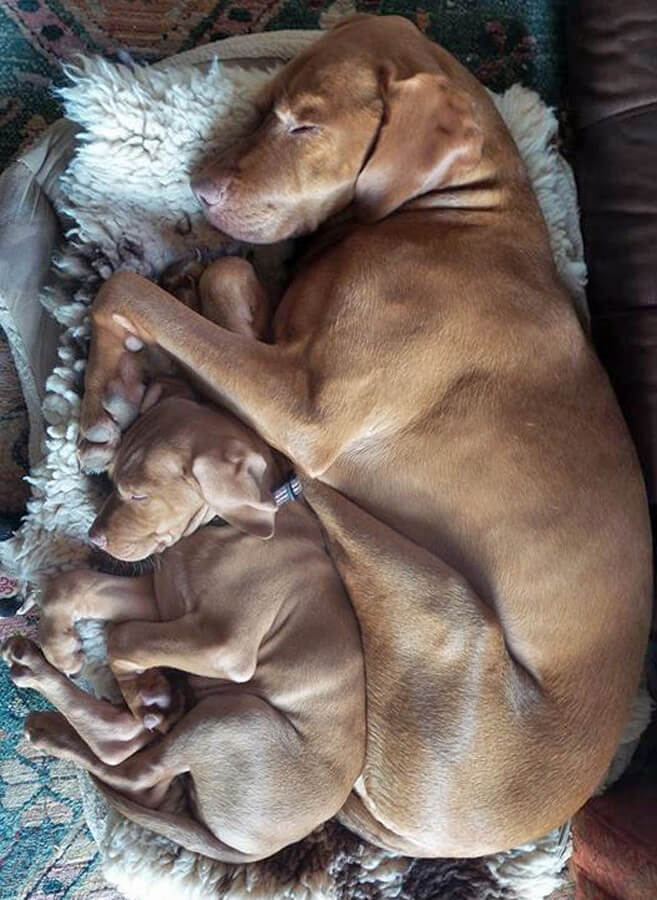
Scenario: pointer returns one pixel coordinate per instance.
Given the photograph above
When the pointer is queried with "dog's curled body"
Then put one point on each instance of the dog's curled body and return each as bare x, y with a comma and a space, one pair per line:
282, 734
462, 446
263, 710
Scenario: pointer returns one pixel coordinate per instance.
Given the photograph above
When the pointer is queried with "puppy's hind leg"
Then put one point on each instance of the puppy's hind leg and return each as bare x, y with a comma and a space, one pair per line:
145, 775
259, 785
112, 732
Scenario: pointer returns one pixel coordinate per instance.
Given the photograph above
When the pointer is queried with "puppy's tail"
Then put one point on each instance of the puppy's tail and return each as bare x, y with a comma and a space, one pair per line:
179, 828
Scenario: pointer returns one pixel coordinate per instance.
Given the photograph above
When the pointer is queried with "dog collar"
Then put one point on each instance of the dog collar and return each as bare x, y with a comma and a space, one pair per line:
288, 491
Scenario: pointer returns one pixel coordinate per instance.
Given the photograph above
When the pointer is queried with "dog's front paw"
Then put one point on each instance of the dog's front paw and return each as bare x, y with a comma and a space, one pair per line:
104, 422
161, 703
61, 643
62, 647
60, 608
114, 380
27, 666
125, 391
98, 444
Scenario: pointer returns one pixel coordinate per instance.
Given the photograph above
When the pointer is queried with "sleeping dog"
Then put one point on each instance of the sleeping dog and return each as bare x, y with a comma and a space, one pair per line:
269, 725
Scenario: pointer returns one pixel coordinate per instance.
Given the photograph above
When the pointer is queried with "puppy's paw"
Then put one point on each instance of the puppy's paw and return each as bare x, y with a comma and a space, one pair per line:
50, 733
114, 387
61, 645
161, 704
125, 392
154, 688
27, 666
98, 444
60, 604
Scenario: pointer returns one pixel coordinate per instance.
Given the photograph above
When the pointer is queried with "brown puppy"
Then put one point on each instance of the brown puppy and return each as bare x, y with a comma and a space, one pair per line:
473, 471
273, 731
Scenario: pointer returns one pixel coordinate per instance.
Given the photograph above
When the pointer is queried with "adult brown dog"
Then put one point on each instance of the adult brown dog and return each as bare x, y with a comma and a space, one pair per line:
471, 467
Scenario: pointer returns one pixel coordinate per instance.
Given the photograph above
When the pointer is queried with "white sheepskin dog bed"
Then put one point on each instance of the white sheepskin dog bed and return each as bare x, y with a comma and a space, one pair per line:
129, 202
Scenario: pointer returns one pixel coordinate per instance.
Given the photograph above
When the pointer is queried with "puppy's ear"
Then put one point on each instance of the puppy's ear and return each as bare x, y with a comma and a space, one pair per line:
349, 20
232, 480
427, 140
162, 388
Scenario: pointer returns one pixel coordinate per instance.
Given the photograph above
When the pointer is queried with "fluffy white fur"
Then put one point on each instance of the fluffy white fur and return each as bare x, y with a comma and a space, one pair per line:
127, 193
144, 132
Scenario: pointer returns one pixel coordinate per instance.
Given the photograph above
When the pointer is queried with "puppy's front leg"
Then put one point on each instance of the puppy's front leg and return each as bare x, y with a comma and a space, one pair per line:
187, 644
84, 594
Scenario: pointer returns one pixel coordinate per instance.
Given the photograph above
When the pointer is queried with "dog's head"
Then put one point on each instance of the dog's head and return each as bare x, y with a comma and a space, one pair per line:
368, 115
180, 465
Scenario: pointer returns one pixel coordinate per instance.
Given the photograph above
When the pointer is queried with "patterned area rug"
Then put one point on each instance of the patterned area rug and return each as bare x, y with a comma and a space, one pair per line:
45, 850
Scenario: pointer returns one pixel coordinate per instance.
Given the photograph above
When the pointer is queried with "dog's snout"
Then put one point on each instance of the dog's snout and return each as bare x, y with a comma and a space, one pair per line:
97, 537
210, 191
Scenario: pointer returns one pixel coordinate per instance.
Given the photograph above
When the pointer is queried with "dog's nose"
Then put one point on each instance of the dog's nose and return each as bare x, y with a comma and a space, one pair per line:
97, 538
210, 191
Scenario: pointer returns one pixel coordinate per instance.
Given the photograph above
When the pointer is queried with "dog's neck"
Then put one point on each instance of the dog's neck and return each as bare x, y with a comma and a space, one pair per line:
480, 191
276, 471
330, 232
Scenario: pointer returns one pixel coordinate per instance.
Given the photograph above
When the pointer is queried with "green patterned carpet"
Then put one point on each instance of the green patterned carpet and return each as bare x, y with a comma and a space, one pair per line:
45, 849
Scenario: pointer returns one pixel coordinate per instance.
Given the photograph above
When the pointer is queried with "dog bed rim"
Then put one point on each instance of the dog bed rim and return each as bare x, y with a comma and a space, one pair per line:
32, 334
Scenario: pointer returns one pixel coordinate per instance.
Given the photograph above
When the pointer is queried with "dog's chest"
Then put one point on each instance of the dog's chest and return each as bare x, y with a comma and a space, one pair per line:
174, 594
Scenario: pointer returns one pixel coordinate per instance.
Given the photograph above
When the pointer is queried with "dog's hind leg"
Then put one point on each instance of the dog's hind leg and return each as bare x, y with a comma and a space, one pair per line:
146, 774
111, 731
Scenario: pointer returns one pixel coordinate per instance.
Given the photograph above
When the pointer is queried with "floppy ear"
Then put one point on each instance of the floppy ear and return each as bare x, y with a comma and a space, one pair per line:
232, 482
350, 19
428, 139
164, 387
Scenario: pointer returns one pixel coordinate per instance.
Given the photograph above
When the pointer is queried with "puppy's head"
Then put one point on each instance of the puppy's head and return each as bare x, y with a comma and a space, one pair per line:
371, 114
180, 465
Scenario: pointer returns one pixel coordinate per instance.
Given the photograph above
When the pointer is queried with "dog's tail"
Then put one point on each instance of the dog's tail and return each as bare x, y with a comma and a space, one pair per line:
179, 828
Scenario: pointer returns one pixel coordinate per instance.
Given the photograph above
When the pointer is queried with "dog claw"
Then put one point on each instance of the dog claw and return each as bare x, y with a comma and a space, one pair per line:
151, 721
133, 343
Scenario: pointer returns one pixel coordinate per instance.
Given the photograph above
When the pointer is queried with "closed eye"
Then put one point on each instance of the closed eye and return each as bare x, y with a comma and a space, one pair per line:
303, 129
139, 497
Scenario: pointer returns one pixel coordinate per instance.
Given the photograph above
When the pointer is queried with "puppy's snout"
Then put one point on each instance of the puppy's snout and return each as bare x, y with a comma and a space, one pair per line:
97, 537
211, 191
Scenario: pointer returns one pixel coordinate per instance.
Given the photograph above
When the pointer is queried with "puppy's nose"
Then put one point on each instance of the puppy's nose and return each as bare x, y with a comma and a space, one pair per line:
97, 538
210, 191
